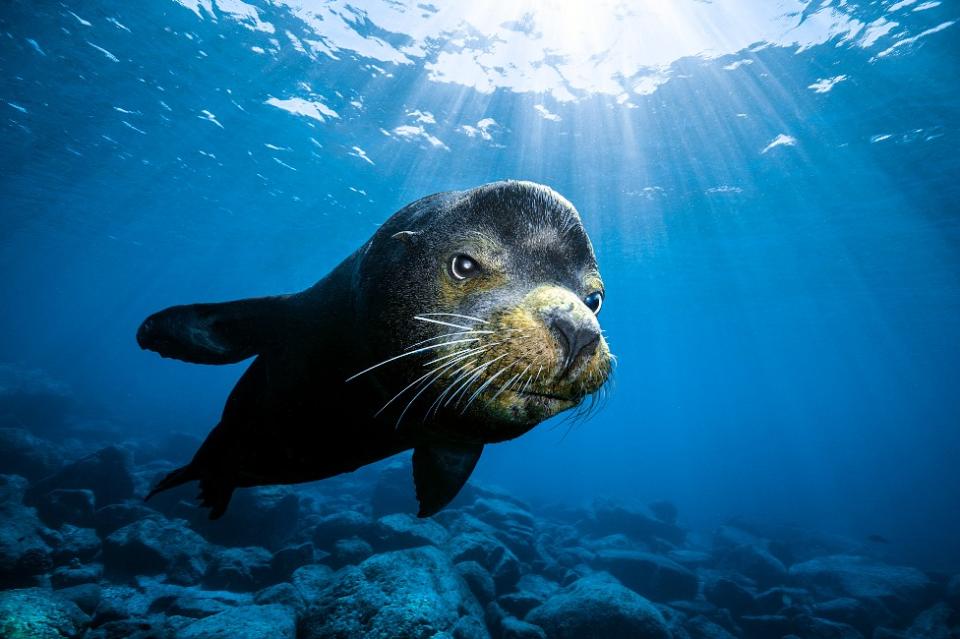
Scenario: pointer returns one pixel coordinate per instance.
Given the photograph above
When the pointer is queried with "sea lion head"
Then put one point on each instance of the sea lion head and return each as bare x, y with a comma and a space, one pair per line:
483, 304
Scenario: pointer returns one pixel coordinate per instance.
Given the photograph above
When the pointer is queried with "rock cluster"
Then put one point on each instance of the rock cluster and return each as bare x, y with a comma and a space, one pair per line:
81, 555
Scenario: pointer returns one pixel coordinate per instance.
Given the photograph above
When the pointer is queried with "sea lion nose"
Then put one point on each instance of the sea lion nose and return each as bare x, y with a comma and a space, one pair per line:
579, 336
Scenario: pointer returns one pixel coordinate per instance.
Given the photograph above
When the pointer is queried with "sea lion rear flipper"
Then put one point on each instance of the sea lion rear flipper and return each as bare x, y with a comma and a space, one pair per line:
222, 333
440, 471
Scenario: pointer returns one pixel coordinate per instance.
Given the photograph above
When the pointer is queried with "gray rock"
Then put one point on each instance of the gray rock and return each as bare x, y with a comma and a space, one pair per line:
115, 516
349, 551
284, 594
653, 576
197, 604
778, 600
514, 525
478, 579
490, 553
520, 603
76, 543
86, 596
271, 621
311, 580
67, 506
288, 559
22, 453
153, 546
414, 593
726, 593
342, 525
239, 569
513, 628
24, 548
402, 530
34, 613
813, 628
755, 562
700, 627
900, 589
76, 574
107, 472
861, 614
267, 516
610, 517
598, 606
765, 626
933, 623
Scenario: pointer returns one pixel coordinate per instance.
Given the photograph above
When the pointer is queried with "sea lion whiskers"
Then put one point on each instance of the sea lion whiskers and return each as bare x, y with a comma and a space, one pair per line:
466, 317
489, 381
476, 349
420, 392
455, 377
458, 394
407, 354
440, 322
505, 386
433, 371
451, 334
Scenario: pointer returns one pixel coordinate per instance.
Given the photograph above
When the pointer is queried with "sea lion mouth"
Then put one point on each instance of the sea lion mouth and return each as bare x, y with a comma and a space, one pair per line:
560, 398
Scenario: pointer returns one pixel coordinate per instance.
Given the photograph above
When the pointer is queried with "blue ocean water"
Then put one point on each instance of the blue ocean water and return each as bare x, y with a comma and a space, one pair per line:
771, 189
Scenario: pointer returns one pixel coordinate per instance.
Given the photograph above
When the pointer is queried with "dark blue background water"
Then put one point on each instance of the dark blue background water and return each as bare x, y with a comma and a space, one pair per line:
786, 316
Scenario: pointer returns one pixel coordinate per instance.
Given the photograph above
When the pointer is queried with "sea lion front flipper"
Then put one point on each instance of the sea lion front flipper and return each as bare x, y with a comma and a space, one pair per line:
440, 471
223, 333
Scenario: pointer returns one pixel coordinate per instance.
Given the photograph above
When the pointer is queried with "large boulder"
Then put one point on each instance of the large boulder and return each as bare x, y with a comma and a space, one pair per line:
107, 472
342, 525
263, 516
514, 524
653, 576
24, 541
311, 580
23, 453
35, 613
597, 607
902, 590
75, 544
727, 593
490, 553
756, 562
349, 551
67, 506
610, 517
115, 516
271, 621
401, 530
239, 569
478, 579
153, 546
415, 593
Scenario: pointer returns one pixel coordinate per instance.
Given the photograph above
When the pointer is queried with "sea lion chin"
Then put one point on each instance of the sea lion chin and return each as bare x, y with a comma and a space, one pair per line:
468, 318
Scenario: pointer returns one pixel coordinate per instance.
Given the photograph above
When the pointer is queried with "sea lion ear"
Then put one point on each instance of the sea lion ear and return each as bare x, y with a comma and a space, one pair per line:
440, 471
407, 237
215, 333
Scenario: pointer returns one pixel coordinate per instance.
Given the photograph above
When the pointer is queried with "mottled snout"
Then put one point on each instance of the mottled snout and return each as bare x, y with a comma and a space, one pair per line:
578, 335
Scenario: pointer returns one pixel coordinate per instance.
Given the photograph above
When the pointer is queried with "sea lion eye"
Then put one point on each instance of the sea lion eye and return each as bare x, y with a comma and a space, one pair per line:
463, 266
594, 301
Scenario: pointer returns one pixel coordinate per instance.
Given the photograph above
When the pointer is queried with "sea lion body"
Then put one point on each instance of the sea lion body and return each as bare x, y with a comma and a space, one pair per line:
397, 349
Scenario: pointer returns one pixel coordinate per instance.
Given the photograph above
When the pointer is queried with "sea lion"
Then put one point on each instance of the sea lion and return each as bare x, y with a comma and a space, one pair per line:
468, 318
